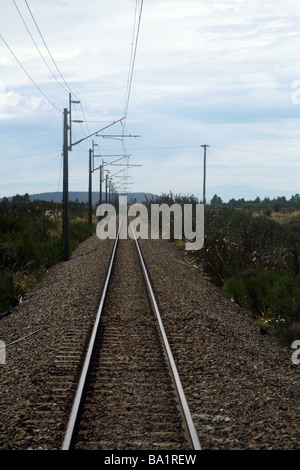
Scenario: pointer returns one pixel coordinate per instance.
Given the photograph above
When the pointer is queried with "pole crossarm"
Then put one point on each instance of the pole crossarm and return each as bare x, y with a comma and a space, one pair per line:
116, 136
96, 133
106, 164
110, 163
117, 172
123, 164
116, 155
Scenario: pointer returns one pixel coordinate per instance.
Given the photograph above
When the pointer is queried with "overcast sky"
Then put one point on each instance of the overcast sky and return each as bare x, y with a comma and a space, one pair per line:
225, 73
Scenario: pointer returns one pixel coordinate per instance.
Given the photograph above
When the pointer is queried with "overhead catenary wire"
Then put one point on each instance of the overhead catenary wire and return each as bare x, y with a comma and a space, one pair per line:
45, 62
28, 75
28, 173
26, 157
197, 146
84, 119
232, 174
134, 43
133, 51
42, 37
37, 47
258, 152
54, 62
57, 73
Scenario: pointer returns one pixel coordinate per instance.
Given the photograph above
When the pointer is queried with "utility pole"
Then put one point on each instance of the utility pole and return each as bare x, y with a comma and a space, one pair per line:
65, 215
101, 181
67, 146
90, 186
106, 186
109, 189
204, 173
70, 124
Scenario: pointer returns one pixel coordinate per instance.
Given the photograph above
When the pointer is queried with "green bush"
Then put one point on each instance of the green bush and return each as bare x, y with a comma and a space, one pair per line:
236, 290
31, 243
220, 259
283, 300
273, 297
256, 261
11, 290
78, 232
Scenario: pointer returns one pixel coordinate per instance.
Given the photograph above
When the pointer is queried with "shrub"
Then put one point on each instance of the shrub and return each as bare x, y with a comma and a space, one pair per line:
289, 334
273, 297
219, 259
30, 243
78, 232
12, 289
283, 299
256, 261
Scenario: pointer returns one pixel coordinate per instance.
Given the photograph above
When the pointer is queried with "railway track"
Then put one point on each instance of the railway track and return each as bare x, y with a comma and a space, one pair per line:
129, 395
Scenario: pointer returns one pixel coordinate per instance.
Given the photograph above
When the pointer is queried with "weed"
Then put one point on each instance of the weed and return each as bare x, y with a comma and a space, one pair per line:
30, 244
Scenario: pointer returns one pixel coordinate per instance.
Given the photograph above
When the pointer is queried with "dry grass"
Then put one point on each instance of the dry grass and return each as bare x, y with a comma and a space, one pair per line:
280, 217
284, 217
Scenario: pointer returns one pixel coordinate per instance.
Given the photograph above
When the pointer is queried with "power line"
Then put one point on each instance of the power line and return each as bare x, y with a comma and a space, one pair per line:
23, 68
28, 173
132, 59
168, 148
213, 146
229, 171
131, 67
27, 156
47, 47
55, 64
255, 151
38, 47
85, 121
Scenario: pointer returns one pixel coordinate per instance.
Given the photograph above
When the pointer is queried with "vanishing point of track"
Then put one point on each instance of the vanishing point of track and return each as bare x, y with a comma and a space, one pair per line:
129, 395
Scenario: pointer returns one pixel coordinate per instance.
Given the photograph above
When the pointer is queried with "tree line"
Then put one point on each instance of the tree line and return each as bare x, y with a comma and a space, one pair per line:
279, 200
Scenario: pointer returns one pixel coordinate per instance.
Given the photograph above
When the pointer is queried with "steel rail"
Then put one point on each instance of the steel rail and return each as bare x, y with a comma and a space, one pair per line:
79, 393
68, 438
184, 405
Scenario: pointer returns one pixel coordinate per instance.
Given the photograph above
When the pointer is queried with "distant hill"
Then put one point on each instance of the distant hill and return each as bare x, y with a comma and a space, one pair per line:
82, 196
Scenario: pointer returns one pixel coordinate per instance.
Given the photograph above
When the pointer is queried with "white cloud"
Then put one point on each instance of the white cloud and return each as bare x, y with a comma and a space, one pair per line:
217, 72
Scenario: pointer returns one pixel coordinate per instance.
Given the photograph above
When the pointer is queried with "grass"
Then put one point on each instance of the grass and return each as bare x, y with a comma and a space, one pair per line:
252, 253
31, 243
254, 260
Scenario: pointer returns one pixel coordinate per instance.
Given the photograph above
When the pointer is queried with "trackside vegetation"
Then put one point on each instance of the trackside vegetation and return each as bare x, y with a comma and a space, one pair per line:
31, 243
254, 259
252, 253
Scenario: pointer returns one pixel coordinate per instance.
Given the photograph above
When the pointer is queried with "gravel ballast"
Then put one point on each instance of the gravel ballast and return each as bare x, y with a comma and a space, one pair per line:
243, 390
37, 383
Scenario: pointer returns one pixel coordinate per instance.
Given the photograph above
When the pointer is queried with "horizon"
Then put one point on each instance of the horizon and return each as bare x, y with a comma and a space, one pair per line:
221, 73
265, 200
